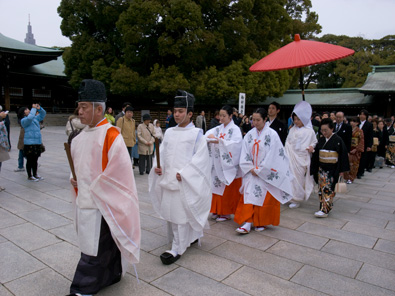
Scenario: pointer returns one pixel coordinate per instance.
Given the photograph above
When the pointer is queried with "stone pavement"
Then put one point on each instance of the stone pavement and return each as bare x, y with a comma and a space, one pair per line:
352, 252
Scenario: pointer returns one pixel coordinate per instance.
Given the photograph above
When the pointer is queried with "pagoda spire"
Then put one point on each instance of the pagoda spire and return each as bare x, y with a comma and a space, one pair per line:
29, 35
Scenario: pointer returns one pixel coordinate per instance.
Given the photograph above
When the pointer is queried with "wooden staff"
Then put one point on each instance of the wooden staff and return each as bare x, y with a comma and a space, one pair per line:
68, 153
157, 153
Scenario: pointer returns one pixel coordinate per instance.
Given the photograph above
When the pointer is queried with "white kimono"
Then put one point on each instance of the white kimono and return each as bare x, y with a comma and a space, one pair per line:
184, 204
224, 156
297, 141
264, 152
110, 193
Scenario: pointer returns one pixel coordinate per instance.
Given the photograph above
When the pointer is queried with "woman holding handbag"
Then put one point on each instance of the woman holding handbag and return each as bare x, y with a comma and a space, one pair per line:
329, 161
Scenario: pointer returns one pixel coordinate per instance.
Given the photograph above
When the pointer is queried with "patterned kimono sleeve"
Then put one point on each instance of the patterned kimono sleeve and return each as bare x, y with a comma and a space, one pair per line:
230, 148
246, 162
361, 143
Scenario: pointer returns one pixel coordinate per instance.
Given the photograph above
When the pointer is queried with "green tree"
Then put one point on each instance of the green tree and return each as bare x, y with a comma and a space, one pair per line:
154, 47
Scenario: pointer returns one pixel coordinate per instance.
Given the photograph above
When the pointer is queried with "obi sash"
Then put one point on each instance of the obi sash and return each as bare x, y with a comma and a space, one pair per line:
354, 141
328, 156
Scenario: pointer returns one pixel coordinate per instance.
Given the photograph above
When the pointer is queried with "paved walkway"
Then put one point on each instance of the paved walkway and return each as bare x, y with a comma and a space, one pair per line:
352, 252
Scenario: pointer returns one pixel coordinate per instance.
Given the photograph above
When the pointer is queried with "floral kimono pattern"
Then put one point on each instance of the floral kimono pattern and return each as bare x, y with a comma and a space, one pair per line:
264, 152
224, 156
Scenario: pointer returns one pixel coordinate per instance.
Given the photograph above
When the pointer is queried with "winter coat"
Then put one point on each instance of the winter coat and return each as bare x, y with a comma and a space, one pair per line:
145, 134
128, 130
31, 124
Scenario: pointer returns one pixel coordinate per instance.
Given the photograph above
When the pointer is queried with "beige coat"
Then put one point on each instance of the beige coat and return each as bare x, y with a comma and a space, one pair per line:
128, 130
145, 137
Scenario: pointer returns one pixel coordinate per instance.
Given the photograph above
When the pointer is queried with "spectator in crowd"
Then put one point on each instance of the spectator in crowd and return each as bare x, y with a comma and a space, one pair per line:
32, 140
343, 130
332, 116
158, 130
215, 120
390, 153
367, 129
246, 125
299, 146
235, 117
128, 129
4, 142
146, 140
329, 161
275, 123
170, 122
201, 122
74, 123
389, 126
20, 146
356, 149
122, 113
325, 114
110, 115
375, 145
382, 135
7, 123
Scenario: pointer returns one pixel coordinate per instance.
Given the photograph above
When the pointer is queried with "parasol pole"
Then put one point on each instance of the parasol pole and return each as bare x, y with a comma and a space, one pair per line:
301, 82
157, 153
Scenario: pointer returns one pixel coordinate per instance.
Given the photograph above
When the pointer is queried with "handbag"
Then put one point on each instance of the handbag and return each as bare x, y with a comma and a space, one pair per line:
341, 186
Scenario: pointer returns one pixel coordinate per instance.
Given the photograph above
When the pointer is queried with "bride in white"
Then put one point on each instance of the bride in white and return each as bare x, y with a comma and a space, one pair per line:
299, 146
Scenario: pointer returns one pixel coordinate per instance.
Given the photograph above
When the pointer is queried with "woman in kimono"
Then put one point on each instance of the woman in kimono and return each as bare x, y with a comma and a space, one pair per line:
299, 146
357, 147
328, 163
224, 144
390, 153
266, 177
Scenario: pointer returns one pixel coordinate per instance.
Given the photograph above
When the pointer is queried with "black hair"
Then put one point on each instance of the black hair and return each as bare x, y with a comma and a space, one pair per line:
293, 116
326, 112
355, 119
124, 105
364, 112
262, 112
228, 109
329, 122
277, 105
21, 113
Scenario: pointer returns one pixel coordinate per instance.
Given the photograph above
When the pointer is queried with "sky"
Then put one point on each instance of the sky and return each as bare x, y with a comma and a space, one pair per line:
370, 19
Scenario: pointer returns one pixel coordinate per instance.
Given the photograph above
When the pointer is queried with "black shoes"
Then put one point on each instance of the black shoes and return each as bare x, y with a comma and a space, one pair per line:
168, 258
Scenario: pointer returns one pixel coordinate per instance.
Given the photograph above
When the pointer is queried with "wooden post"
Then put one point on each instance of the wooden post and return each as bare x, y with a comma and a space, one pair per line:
157, 153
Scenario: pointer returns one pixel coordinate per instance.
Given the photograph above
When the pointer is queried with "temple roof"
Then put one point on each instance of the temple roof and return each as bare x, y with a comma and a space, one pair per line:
380, 80
22, 54
323, 97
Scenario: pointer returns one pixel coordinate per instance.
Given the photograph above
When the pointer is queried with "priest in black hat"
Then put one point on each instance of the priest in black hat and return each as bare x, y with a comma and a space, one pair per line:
180, 188
105, 197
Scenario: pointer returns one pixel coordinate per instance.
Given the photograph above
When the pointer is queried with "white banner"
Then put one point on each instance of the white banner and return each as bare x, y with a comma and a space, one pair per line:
242, 103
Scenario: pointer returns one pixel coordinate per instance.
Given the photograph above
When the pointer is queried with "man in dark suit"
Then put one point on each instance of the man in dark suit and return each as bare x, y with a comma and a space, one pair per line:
367, 129
343, 130
389, 126
275, 123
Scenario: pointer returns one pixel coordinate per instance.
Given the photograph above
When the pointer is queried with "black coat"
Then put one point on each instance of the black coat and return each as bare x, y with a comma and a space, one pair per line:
280, 128
368, 134
345, 132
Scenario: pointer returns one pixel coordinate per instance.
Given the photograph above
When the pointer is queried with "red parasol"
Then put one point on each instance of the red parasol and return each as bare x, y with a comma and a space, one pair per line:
301, 53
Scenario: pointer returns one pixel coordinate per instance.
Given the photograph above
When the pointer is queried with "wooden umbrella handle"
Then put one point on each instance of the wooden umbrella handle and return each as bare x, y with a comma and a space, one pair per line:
70, 159
157, 153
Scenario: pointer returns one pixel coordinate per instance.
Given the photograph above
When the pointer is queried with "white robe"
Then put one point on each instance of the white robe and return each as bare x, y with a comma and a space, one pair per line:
264, 152
186, 203
297, 141
110, 193
224, 156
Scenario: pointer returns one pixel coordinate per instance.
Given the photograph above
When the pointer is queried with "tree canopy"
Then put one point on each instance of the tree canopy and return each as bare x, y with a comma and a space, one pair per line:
150, 48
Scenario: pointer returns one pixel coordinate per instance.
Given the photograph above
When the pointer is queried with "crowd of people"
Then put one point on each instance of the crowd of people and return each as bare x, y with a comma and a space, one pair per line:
235, 166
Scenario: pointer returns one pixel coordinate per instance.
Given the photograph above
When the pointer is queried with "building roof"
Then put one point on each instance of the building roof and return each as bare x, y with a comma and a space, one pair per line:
22, 54
380, 80
323, 97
